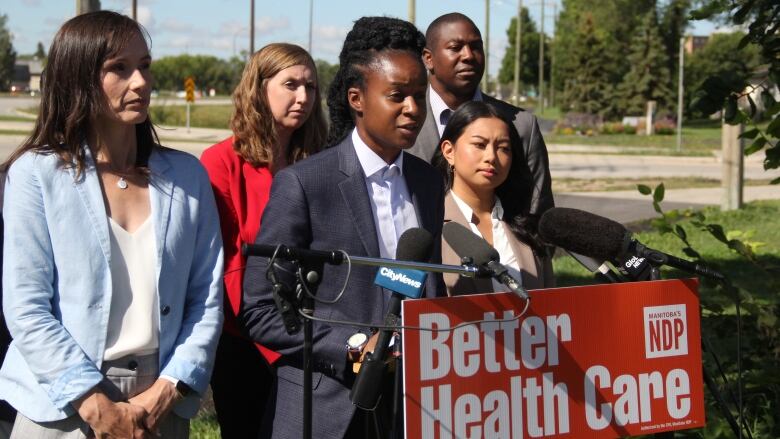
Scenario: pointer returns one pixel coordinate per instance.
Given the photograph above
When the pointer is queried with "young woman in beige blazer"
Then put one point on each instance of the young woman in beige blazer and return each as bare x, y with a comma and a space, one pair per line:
481, 158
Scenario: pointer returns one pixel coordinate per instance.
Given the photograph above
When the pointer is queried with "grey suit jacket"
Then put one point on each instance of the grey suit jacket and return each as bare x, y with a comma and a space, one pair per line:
322, 203
536, 270
536, 173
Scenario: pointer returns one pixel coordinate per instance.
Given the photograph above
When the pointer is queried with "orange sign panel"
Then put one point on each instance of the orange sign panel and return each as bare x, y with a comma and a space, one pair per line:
594, 361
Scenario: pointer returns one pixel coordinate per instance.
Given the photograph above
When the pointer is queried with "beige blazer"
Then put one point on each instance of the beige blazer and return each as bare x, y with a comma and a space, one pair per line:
536, 270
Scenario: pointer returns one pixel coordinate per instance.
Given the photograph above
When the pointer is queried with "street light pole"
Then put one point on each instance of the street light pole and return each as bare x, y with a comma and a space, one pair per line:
680, 94
541, 63
135, 10
251, 27
311, 22
485, 79
84, 6
518, 42
412, 11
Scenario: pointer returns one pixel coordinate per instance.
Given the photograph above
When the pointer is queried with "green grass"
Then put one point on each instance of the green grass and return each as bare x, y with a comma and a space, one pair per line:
205, 426
695, 140
14, 133
205, 116
12, 118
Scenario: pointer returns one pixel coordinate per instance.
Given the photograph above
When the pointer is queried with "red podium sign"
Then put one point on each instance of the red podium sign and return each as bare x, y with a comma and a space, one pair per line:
596, 361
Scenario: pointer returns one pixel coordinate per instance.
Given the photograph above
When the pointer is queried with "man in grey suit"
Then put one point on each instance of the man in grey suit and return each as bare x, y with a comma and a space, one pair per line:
455, 60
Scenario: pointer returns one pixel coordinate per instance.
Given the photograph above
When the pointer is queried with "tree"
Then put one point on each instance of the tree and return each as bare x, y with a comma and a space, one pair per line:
325, 73
612, 23
673, 22
209, 72
720, 57
7, 55
763, 17
648, 78
529, 55
40, 52
588, 88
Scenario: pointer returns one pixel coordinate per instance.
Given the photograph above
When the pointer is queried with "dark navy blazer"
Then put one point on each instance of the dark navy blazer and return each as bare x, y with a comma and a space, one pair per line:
322, 203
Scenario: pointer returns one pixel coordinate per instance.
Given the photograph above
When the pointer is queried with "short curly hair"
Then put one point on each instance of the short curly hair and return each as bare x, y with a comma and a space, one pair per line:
369, 37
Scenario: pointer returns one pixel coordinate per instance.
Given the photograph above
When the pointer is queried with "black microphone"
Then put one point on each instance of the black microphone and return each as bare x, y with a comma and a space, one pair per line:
416, 245
467, 244
604, 239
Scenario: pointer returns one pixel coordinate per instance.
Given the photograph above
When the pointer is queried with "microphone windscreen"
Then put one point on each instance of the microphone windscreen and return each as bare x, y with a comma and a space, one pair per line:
583, 232
415, 244
467, 244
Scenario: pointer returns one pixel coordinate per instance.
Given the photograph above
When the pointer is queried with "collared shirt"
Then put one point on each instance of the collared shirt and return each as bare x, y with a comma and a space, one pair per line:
391, 203
441, 112
500, 238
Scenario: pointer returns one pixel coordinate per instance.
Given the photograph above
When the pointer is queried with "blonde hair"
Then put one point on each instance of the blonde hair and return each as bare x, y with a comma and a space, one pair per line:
252, 123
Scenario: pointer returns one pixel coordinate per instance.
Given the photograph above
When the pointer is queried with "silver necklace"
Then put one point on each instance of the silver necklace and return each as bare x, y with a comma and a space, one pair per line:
121, 183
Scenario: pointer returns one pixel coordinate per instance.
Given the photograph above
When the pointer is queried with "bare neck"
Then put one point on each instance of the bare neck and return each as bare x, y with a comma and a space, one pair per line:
115, 145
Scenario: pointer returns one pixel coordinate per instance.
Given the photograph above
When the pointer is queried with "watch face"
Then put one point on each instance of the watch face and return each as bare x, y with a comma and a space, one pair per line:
355, 341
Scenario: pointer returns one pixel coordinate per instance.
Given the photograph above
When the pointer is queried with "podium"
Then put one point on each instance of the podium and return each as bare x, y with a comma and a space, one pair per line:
593, 361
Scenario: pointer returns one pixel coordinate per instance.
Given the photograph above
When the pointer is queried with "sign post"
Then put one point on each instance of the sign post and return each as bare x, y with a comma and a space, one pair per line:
596, 361
189, 90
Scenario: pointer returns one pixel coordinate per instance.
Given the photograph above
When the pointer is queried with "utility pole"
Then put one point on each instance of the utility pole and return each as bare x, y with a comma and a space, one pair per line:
84, 6
251, 28
518, 42
680, 94
412, 12
553, 41
135, 10
311, 22
541, 62
485, 79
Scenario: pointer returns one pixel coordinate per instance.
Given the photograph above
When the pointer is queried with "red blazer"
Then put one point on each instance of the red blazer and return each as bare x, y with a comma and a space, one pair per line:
241, 191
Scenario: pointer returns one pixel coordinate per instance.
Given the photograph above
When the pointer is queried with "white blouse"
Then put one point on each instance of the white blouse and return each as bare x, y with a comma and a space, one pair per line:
500, 239
133, 323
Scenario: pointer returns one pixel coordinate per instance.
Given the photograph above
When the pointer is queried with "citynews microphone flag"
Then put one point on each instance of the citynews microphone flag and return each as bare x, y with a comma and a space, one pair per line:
598, 361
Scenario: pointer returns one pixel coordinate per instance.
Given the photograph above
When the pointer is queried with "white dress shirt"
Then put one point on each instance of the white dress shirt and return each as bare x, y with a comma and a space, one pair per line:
500, 238
391, 203
441, 112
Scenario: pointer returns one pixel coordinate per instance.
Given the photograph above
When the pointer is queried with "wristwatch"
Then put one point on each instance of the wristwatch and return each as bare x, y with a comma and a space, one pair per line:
183, 389
355, 344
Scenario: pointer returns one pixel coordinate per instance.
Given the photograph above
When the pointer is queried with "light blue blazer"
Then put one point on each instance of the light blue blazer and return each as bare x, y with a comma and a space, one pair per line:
57, 280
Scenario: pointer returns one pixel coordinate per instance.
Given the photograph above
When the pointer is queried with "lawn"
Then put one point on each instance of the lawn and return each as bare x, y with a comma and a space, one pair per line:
205, 116
758, 223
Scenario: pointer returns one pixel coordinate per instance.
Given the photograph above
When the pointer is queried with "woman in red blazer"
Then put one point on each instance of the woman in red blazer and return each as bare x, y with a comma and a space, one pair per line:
277, 120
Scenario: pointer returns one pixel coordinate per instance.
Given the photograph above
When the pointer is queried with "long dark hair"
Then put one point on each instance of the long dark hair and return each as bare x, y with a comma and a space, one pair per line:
514, 194
363, 44
71, 91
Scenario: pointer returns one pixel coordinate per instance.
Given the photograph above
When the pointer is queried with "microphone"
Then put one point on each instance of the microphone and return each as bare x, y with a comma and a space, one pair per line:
466, 244
415, 244
604, 239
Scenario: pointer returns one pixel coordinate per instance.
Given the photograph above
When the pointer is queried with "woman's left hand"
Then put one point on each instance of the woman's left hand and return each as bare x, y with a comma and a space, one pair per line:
157, 401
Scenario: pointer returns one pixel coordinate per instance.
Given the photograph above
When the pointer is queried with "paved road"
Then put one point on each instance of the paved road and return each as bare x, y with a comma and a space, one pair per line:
9, 105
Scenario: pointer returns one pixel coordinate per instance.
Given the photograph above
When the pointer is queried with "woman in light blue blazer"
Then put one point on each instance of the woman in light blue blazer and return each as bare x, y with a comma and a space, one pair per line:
113, 256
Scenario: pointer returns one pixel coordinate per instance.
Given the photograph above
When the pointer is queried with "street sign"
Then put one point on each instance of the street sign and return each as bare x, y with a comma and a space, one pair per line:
189, 88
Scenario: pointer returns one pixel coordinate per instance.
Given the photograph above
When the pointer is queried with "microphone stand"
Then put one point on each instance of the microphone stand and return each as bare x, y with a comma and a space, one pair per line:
310, 265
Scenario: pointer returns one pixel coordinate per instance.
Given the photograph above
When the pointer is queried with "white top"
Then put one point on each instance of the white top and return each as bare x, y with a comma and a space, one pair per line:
391, 203
133, 323
441, 112
500, 239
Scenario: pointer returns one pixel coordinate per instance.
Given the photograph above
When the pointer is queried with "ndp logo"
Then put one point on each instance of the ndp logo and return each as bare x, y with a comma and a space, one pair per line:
666, 331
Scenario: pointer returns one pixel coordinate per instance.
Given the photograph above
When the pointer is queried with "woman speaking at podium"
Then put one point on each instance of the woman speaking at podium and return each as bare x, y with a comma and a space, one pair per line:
479, 150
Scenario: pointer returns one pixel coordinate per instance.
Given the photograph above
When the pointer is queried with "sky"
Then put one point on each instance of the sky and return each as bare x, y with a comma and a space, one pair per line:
221, 27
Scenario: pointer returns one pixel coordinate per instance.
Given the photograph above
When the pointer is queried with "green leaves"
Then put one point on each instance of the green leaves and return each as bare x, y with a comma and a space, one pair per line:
644, 189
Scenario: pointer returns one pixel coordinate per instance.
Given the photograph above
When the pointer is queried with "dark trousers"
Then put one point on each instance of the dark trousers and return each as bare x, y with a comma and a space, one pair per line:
241, 384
